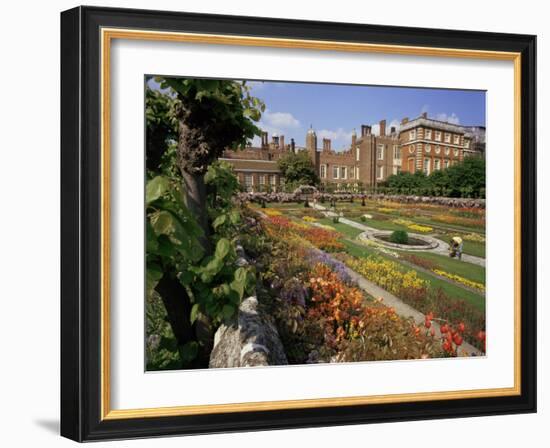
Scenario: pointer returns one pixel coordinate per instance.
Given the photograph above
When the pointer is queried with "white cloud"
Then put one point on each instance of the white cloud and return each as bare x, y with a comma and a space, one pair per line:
452, 118
281, 120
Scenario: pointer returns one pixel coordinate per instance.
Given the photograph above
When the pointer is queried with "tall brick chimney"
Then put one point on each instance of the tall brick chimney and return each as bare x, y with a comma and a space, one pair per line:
282, 142
292, 145
365, 130
264, 139
382, 128
326, 144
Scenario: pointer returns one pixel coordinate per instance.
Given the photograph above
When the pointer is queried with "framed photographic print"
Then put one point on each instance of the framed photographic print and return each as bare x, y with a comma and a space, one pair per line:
274, 223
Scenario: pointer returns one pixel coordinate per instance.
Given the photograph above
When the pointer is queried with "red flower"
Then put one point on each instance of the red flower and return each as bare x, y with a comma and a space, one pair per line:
481, 335
444, 329
461, 327
457, 339
427, 323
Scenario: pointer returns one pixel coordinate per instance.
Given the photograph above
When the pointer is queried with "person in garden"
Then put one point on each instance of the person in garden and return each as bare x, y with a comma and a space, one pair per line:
456, 247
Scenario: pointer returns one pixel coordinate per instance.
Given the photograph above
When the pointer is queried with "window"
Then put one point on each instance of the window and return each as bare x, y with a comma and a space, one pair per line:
437, 149
447, 151
437, 164
395, 170
437, 136
411, 149
466, 143
352, 172
396, 152
248, 182
262, 179
446, 163
428, 148
427, 166
380, 152
357, 151
447, 137
357, 172
429, 134
344, 172
323, 171
380, 172
273, 180
455, 152
457, 139
412, 134
335, 172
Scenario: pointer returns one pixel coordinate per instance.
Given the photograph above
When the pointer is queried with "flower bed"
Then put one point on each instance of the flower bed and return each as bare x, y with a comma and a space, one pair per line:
462, 280
412, 225
281, 228
420, 294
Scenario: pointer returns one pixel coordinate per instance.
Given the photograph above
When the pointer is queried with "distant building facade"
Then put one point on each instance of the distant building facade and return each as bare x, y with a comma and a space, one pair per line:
422, 144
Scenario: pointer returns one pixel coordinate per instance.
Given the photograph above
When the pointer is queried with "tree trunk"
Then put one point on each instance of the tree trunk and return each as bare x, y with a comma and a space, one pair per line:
178, 308
196, 203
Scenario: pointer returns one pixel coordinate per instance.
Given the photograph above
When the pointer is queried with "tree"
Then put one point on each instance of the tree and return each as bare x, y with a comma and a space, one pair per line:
297, 168
189, 125
212, 115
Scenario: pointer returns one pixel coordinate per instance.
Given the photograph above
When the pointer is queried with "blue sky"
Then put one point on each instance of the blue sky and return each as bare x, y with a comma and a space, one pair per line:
335, 110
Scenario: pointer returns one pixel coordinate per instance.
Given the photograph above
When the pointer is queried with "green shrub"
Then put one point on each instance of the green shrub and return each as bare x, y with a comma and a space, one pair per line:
399, 237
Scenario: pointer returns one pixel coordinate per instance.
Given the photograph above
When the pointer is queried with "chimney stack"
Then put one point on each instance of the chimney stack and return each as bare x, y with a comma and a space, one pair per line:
264, 139
326, 144
282, 142
382, 128
292, 145
392, 130
424, 114
405, 120
365, 130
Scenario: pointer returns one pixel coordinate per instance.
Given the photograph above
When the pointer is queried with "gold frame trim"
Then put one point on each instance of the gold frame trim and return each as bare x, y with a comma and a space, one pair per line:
107, 35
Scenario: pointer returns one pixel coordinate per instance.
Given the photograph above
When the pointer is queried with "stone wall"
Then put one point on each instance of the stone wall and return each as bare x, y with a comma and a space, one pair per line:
250, 341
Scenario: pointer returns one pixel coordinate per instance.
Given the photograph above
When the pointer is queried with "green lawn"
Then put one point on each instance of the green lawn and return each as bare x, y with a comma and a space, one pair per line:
381, 225
344, 229
467, 270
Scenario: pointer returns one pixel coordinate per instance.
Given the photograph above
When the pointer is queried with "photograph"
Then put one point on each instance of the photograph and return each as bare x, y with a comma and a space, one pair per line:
294, 223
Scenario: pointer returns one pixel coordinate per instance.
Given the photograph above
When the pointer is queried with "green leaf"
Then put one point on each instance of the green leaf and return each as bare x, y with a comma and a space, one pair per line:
153, 276
194, 312
219, 221
155, 188
234, 217
189, 351
222, 248
228, 311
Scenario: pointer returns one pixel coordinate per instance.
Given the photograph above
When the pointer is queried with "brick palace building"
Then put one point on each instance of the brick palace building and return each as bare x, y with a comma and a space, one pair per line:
422, 144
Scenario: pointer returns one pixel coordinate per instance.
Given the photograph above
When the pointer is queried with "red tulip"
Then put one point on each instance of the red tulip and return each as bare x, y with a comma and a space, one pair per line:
457, 339
427, 323
461, 327
444, 329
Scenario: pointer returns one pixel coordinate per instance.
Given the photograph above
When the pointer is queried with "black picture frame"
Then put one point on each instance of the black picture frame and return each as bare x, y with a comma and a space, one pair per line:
81, 224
